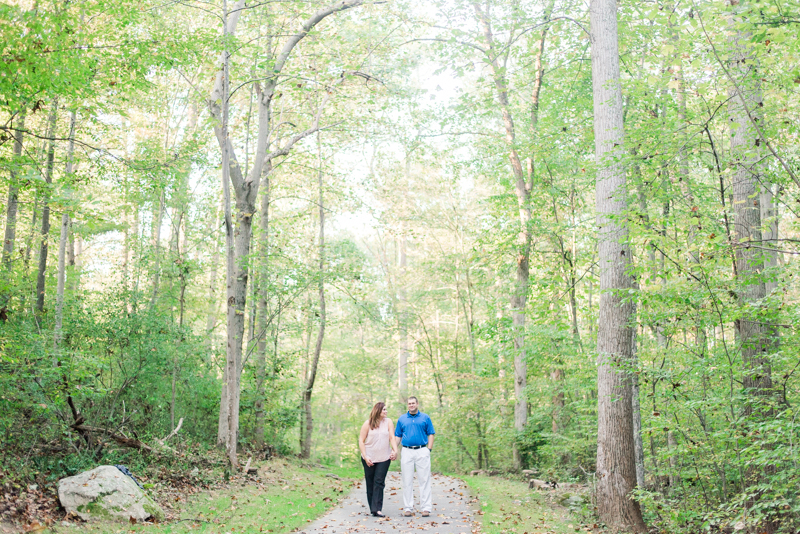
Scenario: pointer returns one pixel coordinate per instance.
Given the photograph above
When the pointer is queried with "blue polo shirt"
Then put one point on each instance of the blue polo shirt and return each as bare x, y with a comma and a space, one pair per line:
414, 429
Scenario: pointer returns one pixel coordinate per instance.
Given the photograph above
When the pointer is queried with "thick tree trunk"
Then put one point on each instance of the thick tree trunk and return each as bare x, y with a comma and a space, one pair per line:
751, 197
51, 151
746, 101
312, 374
62, 245
616, 467
12, 206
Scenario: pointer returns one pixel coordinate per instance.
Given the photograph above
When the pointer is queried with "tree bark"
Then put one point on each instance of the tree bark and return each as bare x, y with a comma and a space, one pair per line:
751, 197
26, 258
12, 206
312, 374
156, 244
402, 318
51, 151
62, 243
745, 149
557, 376
638, 443
263, 308
616, 468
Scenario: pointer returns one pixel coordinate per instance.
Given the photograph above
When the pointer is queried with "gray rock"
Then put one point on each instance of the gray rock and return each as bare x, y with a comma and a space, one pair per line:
104, 492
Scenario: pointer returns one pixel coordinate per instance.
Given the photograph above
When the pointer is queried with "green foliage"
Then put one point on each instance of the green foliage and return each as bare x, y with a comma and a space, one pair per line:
414, 159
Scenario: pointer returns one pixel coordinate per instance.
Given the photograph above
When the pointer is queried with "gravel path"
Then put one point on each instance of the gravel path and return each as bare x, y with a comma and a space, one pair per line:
451, 511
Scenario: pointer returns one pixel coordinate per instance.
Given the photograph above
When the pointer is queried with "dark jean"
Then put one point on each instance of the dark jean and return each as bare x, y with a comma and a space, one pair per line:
375, 477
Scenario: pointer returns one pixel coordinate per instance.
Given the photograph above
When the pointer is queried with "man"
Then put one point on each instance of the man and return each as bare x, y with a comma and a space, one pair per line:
415, 432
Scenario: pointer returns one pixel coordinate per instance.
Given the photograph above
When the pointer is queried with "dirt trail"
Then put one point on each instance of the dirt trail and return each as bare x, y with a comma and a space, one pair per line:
451, 513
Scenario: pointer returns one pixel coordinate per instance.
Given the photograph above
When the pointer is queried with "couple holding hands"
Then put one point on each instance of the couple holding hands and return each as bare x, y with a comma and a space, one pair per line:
378, 441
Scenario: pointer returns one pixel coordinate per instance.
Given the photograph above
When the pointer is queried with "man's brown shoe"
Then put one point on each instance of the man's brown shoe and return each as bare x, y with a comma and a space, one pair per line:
408, 514
425, 514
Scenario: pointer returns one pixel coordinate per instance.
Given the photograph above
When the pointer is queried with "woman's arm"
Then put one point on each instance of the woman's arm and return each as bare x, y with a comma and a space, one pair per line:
392, 441
362, 436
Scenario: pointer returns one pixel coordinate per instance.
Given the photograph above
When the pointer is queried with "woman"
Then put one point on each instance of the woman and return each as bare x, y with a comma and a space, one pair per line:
378, 449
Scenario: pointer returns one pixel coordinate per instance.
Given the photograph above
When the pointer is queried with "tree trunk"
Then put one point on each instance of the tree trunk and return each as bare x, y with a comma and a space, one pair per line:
557, 376
211, 312
638, 443
75, 279
751, 197
26, 258
312, 374
616, 467
672, 446
158, 219
402, 319
12, 206
263, 309
51, 151
70, 287
747, 175
62, 243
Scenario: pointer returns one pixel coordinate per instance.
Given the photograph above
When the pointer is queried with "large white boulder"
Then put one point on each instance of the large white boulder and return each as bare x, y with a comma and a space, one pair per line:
104, 492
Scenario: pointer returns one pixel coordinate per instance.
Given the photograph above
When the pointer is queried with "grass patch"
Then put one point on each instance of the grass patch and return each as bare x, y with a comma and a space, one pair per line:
508, 506
285, 497
350, 470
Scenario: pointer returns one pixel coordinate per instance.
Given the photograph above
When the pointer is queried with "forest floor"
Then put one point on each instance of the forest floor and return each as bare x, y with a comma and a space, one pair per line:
286, 496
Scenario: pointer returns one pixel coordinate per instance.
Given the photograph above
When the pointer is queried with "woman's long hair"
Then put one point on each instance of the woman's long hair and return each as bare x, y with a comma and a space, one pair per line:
375, 416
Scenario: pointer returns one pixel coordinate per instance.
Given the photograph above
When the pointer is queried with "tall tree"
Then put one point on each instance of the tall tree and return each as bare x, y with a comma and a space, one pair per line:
12, 204
752, 199
62, 242
45, 233
311, 376
498, 60
246, 187
616, 467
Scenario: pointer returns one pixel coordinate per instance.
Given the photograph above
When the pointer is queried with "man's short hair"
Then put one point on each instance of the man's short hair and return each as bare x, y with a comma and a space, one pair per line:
413, 397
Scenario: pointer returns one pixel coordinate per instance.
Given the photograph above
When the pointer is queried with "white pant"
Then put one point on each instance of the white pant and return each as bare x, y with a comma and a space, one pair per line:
419, 459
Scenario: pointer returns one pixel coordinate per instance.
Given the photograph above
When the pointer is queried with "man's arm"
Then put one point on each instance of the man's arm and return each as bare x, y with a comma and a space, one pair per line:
398, 433
431, 433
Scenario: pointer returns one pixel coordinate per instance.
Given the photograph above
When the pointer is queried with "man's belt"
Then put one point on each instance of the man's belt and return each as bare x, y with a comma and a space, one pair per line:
415, 447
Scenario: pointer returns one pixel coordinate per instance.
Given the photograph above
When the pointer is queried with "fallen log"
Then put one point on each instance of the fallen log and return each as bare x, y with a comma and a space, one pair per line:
119, 438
